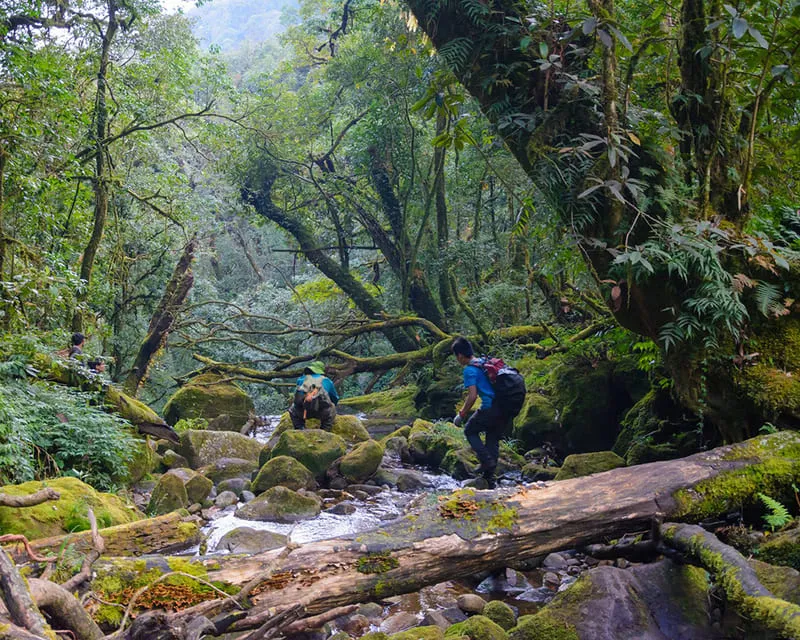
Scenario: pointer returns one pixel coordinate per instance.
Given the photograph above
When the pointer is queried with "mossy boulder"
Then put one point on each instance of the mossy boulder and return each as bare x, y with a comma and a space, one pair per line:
202, 448
392, 403
68, 513
500, 613
172, 460
249, 540
228, 469
362, 462
402, 432
197, 485
460, 463
534, 471
209, 396
782, 582
431, 632
350, 428
477, 628
782, 548
280, 504
428, 443
144, 461
168, 495
584, 464
398, 447
439, 398
536, 421
315, 448
283, 471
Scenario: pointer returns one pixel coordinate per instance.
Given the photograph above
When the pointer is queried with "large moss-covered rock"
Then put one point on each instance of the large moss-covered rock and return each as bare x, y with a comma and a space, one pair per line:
477, 628
782, 582
144, 460
431, 632
280, 504
197, 485
783, 548
439, 398
402, 432
315, 448
500, 613
429, 443
392, 403
283, 471
460, 463
168, 495
202, 448
536, 421
66, 514
362, 462
534, 471
208, 396
248, 540
228, 469
583, 464
350, 428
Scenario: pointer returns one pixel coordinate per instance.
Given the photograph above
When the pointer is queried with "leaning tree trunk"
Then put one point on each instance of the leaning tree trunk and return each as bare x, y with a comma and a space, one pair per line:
468, 532
496, 54
163, 318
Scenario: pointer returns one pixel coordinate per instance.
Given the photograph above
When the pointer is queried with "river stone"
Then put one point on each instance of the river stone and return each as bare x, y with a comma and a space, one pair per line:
362, 462
172, 460
68, 513
342, 509
226, 499
353, 625
429, 632
398, 447
315, 448
224, 422
399, 621
435, 618
477, 628
197, 485
286, 472
428, 446
460, 463
236, 485
247, 496
209, 396
470, 603
202, 448
229, 469
500, 613
249, 540
402, 432
532, 472
371, 610
555, 561
369, 489
583, 464
169, 495
350, 429
280, 504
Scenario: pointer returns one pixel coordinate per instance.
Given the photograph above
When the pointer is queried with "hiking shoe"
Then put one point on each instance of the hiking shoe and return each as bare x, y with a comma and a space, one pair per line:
487, 468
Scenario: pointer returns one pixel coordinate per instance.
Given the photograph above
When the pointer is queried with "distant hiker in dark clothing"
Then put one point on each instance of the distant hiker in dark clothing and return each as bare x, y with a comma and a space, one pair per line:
98, 365
489, 419
77, 342
314, 397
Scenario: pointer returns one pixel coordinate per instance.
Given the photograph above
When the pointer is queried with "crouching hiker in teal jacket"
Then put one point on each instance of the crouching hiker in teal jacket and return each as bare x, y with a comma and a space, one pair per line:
314, 397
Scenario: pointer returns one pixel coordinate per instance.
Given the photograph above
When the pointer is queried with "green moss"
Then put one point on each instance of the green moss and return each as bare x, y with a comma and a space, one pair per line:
208, 396
402, 432
283, 471
362, 462
392, 403
477, 628
773, 464
431, 632
503, 519
315, 448
53, 518
281, 505
782, 549
500, 613
583, 464
555, 621
376, 563
350, 428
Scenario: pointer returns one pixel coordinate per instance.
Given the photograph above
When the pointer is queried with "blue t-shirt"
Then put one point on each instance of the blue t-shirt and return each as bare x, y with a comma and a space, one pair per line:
474, 376
327, 384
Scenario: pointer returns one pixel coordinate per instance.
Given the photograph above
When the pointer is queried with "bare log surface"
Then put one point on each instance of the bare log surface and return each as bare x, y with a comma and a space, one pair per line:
475, 531
18, 600
30, 500
161, 534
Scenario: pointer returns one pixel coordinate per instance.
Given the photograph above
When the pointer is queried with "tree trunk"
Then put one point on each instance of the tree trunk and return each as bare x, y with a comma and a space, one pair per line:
442, 226
163, 318
469, 532
101, 179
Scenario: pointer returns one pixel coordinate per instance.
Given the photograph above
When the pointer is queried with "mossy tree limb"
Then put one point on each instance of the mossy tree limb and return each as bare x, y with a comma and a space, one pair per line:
18, 601
504, 527
736, 577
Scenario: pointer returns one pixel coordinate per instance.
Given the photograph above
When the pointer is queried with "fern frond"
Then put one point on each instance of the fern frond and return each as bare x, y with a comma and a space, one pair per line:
778, 515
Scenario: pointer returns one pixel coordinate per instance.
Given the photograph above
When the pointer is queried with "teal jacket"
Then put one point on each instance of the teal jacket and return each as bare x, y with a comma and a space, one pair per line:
327, 384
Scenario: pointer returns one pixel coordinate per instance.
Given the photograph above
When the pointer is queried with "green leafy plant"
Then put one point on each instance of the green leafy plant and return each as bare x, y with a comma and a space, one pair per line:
768, 428
778, 515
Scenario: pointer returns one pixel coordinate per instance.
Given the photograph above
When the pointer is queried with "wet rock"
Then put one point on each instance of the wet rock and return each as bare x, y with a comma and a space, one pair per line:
398, 622
337, 482
555, 561
397, 446
551, 580
280, 504
533, 472
583, 464
283, 471
430, 632
249, 540
500, 613
460, 463
409, 480
429, 445
226, 499
366, 488
315, 448
247, 496
197, 485
354, 625
168, 495
208, 396
454, 615
470, 603
436, 618
361, 495
371, 610
349, 428
172, 460
237, 485
362, 462
227, 469
477, 628
202, 448
342, 509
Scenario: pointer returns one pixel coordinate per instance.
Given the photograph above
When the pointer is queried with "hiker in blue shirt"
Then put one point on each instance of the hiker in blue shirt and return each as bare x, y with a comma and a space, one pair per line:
489, 419
314, 397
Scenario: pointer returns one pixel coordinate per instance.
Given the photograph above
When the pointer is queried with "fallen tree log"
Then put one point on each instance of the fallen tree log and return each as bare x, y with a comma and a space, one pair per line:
472, 531
171, 532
